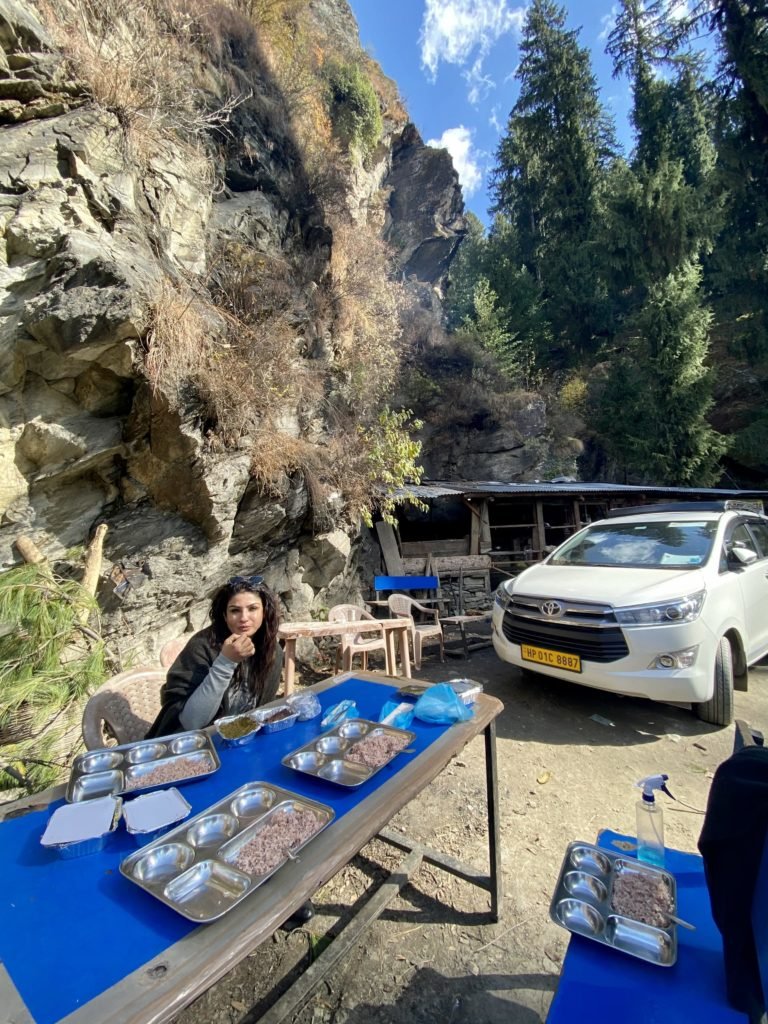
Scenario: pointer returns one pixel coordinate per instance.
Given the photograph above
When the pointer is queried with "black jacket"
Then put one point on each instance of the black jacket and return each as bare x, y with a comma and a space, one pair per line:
188, 672
731, 845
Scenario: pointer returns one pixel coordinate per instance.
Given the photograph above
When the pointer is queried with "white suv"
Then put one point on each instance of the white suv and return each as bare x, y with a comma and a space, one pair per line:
667, 601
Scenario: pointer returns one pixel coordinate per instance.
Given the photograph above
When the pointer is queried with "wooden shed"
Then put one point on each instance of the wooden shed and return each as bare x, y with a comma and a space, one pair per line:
473, 527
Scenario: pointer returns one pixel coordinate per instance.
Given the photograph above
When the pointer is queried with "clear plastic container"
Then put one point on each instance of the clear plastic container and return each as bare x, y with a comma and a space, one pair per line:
650, 832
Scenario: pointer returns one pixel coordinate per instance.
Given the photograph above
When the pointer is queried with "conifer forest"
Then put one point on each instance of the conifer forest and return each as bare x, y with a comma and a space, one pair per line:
636, 284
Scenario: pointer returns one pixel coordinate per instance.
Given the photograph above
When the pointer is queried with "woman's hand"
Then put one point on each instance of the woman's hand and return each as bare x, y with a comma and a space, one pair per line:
238, 647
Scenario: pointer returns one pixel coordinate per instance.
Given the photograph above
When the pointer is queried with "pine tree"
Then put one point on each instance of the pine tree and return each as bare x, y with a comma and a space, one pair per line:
467, 268
738, 271
549, 169
653, 409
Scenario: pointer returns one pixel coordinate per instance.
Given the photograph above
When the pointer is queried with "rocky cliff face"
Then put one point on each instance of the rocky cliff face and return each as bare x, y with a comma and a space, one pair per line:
88, 232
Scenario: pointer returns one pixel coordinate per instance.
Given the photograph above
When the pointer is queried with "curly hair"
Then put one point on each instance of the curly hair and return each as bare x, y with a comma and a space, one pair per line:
253, 672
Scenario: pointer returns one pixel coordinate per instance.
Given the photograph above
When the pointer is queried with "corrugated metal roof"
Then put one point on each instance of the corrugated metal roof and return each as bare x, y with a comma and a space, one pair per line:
444, 488
430, 490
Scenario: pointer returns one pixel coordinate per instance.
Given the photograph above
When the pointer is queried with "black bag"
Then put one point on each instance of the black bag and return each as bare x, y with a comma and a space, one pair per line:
731, 845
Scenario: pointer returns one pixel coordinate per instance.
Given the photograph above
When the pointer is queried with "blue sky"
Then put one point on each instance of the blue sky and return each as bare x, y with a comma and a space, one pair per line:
454, 62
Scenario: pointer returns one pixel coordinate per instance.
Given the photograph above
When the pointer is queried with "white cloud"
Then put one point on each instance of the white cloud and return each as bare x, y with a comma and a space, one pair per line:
680, 10
493, 120
608, 22
458, 142
479, 84
452, 30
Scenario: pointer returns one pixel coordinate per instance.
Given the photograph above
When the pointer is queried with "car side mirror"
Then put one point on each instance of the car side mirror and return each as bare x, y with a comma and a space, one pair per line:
737, 557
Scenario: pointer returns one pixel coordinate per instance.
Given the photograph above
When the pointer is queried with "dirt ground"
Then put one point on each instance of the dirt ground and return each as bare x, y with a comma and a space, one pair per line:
568, 758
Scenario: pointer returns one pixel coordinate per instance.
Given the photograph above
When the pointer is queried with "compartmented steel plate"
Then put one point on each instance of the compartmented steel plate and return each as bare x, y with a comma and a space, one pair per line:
351, 752
145, 764
205, 867
617, 901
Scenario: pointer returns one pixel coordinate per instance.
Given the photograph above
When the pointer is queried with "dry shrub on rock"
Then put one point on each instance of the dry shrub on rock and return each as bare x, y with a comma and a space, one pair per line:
367, 303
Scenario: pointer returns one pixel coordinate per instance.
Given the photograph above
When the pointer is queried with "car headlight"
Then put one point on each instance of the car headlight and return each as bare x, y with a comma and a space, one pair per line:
684, 609
503, 594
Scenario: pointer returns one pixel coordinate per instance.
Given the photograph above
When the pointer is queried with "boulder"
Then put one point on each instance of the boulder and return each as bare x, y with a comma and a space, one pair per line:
426, 212
326, 555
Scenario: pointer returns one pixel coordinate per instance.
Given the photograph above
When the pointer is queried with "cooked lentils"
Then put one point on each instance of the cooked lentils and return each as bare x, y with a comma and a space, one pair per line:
375, 751
642, 897
284, 831
170, 771
238, 727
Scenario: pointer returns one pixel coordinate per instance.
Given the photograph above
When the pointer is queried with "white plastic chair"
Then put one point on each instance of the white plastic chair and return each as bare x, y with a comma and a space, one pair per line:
170, 651
123, 708
403, 607
355, 643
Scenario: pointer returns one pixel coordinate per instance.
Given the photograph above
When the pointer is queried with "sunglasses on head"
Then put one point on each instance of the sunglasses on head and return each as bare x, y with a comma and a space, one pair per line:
249, 581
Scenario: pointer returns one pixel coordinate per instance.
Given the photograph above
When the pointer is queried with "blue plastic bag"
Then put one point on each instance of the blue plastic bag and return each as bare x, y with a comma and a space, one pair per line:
440, 704
336, 714
399, 721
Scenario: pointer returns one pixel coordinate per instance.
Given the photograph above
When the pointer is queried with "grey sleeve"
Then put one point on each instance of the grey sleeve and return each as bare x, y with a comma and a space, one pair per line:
203, 702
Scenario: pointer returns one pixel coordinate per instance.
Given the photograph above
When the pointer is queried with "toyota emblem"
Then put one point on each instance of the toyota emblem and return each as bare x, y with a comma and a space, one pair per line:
552, 609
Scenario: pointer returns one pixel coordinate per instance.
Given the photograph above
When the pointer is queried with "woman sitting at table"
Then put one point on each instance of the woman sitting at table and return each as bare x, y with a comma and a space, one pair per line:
228, 668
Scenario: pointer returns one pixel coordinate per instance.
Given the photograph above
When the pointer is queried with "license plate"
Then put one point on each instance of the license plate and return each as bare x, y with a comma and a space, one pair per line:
540, 655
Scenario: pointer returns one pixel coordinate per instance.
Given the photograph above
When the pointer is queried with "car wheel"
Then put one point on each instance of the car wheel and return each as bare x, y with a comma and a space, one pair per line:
718, 710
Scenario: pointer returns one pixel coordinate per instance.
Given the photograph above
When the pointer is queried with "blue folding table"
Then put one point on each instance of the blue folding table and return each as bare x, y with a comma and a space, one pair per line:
80, 942
602, 984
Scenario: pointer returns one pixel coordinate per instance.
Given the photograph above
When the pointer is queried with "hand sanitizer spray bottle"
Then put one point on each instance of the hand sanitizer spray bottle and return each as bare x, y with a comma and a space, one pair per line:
650, 821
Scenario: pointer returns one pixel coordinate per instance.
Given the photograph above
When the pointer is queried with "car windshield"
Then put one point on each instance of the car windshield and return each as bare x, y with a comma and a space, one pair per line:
656, 545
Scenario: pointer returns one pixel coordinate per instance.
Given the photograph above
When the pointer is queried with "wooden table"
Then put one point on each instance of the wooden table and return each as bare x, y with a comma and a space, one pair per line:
162, 986
391, 628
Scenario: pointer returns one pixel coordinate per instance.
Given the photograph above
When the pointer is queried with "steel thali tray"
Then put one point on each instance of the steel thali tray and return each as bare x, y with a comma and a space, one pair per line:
145, 764
327, 756
592, 878
206, 866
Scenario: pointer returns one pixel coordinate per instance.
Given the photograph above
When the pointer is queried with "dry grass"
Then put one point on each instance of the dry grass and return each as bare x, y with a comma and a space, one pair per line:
392, 106
141, 60
238, 376
367, 303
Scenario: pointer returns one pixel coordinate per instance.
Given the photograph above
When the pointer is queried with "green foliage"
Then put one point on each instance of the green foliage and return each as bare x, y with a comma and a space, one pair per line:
750, 445
467, 267
354, 107
574, 394
391, 454
737, 271
547, 179
661, 215
652, 412
488, 323
48, 667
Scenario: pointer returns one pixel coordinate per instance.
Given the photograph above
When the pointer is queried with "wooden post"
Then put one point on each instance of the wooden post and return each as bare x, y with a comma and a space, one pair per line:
93, 559
540, 538
29, 551
474, 529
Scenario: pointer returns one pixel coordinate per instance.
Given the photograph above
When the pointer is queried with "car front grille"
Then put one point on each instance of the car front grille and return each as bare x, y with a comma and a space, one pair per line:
588, 630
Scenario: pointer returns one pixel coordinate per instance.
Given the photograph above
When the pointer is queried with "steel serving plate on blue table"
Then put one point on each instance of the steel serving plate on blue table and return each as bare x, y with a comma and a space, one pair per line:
583, 903
131, 767
326, 757
197, 868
